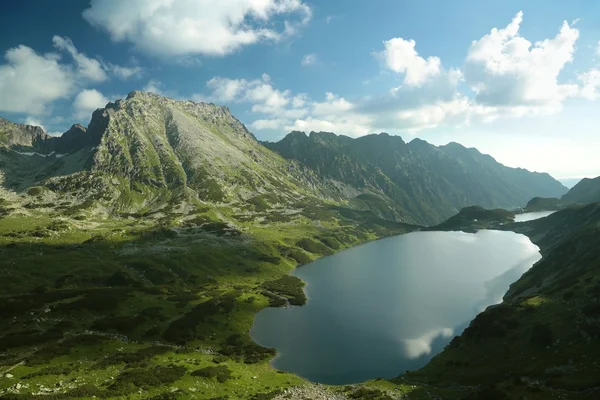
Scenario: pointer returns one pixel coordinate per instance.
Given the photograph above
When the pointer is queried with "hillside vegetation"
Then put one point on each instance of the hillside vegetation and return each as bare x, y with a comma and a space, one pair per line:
135, 252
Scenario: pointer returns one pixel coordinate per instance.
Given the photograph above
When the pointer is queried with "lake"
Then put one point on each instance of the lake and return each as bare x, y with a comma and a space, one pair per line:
384, 307
530, 216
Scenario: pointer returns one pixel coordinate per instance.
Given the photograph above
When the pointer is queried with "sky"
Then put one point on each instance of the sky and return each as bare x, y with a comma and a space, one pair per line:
517, 80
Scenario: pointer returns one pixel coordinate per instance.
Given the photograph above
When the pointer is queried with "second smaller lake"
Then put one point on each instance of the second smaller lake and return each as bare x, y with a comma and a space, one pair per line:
530, 216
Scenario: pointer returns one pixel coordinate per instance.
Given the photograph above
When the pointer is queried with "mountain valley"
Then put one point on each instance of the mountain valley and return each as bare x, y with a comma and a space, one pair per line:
135, 252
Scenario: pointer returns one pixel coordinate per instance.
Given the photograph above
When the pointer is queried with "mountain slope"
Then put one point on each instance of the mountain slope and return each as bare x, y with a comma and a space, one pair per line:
148, 152
417, 181
586, 191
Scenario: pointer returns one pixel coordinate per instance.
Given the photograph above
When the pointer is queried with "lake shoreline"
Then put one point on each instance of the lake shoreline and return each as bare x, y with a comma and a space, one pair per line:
321, 259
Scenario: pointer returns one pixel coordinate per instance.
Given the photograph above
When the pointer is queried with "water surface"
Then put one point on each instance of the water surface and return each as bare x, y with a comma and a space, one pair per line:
530, 216
388, 306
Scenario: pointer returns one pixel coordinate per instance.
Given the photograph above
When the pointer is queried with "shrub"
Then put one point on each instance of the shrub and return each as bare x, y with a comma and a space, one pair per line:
314, 247
35, 191
331, 243
121, 324
541, 335
52, 370
221, 373
289, 287
219, 358
127, 381
134, 357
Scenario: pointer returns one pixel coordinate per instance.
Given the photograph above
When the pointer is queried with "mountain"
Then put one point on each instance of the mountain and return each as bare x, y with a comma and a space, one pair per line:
416, 181
586, 191
148, 153
544, 204
471, 219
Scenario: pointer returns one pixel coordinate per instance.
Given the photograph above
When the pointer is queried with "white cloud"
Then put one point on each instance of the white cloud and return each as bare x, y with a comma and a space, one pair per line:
124, 73
401, 57
332, 105
30, 81
88, 68
265, 99
34, 122
154, 86
91, 69
226, 90
505, 69
269, 124
590, 81
309, 59
86, 102
598, 48
503, 76
183, 27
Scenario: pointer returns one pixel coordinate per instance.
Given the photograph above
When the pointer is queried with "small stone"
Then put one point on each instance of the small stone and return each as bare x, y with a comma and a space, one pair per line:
9, 376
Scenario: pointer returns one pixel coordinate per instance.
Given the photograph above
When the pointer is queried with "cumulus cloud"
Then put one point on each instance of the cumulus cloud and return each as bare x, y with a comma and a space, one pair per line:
590, 84
265, 98
503, 76
92, 69
86, 102
505, 69
183, 27
309, 59
34, 122
124, 73
399, 55
88, 68
29, 81
154, 86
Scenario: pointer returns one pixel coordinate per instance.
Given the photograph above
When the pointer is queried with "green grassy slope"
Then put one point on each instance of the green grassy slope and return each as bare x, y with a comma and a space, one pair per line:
132, 308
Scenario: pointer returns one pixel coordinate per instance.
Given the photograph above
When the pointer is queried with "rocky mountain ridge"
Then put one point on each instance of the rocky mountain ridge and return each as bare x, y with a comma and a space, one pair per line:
149, 154
416, 181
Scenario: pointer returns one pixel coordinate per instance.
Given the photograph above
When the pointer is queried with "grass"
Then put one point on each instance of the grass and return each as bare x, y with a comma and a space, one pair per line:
112, 307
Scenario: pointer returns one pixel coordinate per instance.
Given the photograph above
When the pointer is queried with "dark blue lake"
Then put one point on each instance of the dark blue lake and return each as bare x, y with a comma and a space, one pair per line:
388, 306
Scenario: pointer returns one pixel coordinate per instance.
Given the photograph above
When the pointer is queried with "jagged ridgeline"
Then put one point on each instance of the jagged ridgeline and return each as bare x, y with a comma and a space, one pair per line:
149, 152
417, 179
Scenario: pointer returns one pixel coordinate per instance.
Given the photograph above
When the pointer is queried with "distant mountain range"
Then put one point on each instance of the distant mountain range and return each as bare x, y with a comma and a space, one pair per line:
415, 181
148, 153
585, 192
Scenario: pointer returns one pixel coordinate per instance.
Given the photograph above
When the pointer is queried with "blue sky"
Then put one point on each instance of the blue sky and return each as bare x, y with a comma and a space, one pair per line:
518, 80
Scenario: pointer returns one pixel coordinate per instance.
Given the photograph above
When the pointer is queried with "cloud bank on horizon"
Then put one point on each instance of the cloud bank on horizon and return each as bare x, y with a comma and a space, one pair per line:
504, 75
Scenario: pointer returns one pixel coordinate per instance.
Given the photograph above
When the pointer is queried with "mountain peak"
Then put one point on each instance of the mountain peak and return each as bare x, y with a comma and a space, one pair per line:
21, 135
